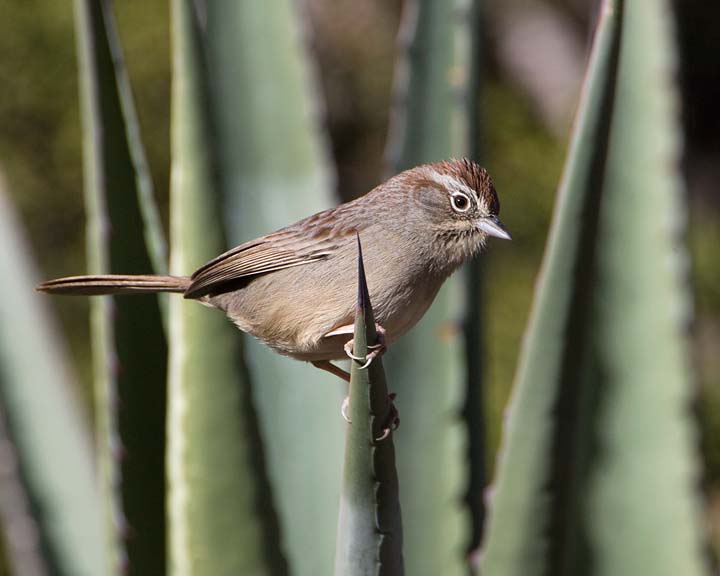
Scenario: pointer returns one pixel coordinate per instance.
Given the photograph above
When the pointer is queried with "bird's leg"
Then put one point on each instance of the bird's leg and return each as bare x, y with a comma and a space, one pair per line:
330, 367
376, 350
393, 420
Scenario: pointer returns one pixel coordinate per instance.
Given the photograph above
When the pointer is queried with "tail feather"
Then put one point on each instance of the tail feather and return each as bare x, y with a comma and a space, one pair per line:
115, 284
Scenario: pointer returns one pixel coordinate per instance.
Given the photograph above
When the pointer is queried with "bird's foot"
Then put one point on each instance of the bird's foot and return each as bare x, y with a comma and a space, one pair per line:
392, 422
393, 419
376, 350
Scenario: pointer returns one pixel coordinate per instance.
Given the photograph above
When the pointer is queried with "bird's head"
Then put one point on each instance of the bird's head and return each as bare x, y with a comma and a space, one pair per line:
453, 206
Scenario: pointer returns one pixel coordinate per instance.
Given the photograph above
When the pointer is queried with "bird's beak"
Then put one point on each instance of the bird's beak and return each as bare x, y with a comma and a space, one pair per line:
493, 227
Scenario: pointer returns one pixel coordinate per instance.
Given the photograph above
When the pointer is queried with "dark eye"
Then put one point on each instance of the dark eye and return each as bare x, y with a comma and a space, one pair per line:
460, 202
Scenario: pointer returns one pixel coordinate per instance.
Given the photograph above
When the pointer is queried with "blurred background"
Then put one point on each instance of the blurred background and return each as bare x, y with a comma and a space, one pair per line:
534, 57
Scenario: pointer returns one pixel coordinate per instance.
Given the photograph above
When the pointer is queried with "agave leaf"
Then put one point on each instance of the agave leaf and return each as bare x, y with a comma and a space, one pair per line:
221, 521
427, 367
596, 468
54, 466
274, 170
649, 472
370, 524
519, 515
129, 349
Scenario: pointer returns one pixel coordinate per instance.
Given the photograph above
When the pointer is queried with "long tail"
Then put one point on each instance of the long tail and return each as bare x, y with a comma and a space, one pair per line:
114, 284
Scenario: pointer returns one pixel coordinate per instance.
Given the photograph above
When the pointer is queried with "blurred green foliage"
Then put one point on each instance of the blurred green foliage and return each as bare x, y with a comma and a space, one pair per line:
526, 162
704, 239
40, 145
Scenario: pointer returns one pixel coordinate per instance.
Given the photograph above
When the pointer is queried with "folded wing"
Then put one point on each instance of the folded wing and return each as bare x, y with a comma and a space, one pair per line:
307, 241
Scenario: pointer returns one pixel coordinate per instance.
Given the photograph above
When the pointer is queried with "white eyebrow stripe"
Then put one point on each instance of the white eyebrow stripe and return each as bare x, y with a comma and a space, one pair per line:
452, 184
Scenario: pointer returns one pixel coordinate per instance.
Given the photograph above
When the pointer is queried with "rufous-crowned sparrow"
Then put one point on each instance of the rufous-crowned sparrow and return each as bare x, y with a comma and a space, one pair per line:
295, 289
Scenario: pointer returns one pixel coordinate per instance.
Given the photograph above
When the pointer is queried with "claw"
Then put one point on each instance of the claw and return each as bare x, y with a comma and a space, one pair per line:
370, 357
349, 351
393, 419
344, 409
375, 349
380, 346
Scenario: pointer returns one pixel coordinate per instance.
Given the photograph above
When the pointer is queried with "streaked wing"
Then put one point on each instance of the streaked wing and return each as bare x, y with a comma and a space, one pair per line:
307, 241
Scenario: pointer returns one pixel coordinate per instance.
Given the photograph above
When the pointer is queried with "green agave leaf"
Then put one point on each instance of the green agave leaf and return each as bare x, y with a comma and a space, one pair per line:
597, 470
52, 442
129, 349
274, 170
370, 524
427, 366
519, 516
221, 521
649, 472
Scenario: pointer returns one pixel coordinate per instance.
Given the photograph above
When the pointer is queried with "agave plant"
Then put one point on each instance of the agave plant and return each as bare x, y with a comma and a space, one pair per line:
370, 525
598, 470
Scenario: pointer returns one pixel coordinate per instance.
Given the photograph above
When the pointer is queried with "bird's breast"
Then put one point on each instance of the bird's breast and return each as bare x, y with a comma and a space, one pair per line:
400, 311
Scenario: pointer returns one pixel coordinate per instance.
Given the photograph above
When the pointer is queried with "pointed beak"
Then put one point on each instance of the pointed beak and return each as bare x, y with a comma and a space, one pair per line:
493, 227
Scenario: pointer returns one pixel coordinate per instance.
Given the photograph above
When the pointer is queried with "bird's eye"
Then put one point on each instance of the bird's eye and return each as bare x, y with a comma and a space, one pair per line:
460, 202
